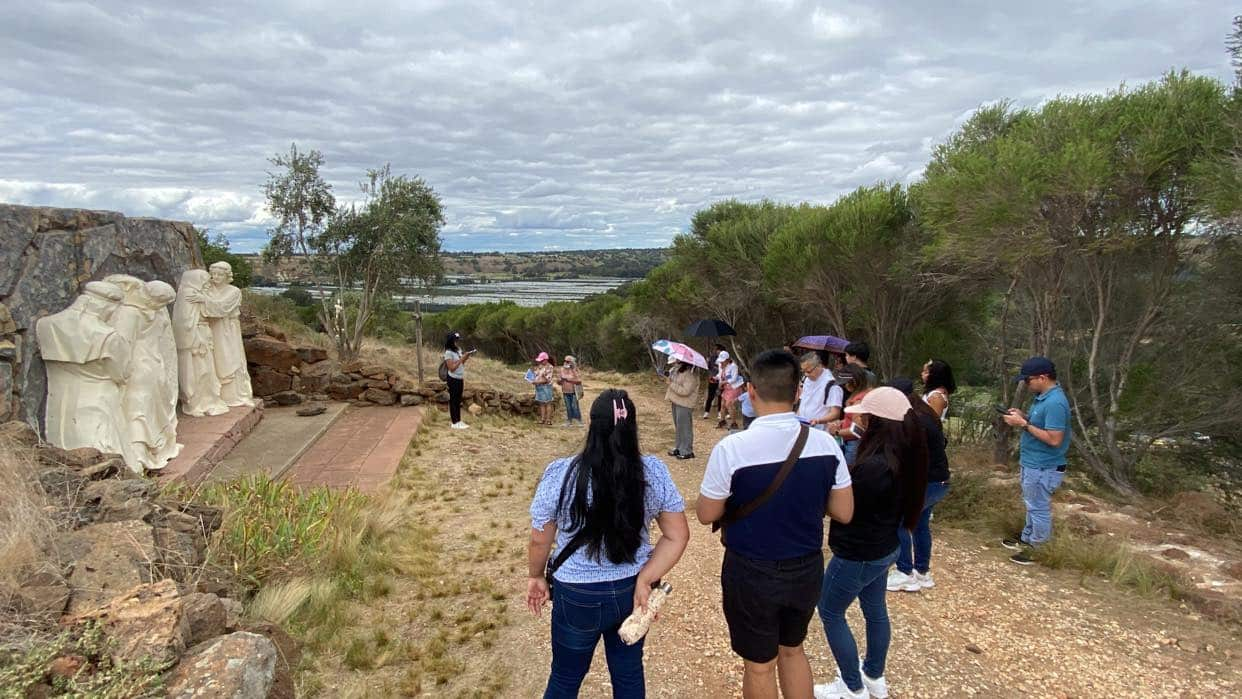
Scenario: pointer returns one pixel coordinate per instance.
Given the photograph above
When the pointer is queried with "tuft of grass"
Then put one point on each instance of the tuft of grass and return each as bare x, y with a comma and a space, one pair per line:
25, 527
975, 502
279, 601
1112, 560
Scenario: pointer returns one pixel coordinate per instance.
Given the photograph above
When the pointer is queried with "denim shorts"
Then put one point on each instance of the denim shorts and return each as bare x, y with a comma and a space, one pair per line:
543, 393
768, 604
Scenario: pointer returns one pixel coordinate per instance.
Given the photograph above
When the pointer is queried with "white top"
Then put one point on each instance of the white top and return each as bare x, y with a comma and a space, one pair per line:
766, 441
812, 405
460, 371
926, 399
729, 375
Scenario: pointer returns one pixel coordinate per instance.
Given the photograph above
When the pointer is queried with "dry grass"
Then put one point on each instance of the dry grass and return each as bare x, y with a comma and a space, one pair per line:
25, 528
480, 371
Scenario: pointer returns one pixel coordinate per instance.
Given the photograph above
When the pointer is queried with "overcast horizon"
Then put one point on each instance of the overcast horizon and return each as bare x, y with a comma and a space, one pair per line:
542, 127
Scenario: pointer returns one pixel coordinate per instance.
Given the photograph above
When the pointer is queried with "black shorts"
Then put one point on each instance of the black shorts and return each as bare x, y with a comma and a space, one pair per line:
769, 603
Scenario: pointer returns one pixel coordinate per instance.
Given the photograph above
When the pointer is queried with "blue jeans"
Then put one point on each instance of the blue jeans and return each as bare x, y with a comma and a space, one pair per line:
1038, 485
866, 581
581, 613
849, 448
921, 541
572, 411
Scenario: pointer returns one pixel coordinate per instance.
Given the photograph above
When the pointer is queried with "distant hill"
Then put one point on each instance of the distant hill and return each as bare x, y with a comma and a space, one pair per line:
631, 263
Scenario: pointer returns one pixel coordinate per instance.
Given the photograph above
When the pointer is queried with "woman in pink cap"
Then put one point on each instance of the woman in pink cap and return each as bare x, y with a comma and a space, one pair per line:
889, 478
543, 388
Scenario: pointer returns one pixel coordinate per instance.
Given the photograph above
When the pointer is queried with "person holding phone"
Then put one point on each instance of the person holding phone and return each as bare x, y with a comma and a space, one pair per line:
455, 362
1042, 453
847, 429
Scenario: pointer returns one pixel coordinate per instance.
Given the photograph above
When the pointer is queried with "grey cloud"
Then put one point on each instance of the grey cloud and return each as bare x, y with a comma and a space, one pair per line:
545, 124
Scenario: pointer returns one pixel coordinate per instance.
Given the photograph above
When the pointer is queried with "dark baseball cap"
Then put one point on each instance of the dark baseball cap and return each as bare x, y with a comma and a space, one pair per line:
1036, 366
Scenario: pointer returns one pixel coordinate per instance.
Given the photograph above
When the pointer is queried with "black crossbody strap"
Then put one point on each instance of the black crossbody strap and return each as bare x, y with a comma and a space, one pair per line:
786, 468
563, 555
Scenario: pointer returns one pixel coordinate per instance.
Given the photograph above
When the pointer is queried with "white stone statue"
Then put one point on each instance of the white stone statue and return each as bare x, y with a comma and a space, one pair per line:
87, 364
222, 307
149, 398
199, 387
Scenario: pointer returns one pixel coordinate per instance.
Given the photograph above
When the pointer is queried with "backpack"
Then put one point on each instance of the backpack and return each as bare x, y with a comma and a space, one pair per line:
443, 371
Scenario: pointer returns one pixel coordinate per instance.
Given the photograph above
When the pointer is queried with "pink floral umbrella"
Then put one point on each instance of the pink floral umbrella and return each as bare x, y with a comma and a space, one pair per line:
680, 352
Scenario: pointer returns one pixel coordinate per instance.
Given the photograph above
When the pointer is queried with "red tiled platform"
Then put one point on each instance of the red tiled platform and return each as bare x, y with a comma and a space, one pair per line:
206, 441
362, 449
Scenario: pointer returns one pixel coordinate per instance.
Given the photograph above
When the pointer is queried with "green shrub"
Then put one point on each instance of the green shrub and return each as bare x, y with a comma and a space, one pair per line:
21, 670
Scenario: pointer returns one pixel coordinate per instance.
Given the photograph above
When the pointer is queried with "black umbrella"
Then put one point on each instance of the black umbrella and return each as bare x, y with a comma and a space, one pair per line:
709, 327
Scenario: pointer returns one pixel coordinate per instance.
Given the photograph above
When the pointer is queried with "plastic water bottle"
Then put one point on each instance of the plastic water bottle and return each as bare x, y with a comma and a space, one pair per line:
635, 627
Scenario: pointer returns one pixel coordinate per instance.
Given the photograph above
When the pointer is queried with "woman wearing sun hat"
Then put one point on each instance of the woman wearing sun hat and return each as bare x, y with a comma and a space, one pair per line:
889, 480
543, 388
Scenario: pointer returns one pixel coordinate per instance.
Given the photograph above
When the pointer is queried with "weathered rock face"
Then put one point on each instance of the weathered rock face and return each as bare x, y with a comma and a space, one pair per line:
240, 665
46, 255
149, 621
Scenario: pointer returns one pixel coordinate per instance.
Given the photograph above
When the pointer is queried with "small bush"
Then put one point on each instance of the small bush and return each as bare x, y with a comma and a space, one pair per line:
1110, 559
26, 668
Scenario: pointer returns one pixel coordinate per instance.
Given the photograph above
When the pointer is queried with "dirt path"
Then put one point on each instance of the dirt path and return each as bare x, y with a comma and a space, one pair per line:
988, 628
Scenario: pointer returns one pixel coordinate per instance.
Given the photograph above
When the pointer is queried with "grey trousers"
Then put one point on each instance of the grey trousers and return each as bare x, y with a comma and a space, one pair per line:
683, 422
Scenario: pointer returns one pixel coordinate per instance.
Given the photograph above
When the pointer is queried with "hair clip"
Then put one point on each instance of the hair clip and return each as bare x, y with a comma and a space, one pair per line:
619, 412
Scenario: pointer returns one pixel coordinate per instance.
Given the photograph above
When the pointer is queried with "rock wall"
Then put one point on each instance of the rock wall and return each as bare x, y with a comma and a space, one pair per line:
46, 254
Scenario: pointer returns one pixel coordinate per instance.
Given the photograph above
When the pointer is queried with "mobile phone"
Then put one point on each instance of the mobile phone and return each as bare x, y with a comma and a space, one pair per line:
1000, 409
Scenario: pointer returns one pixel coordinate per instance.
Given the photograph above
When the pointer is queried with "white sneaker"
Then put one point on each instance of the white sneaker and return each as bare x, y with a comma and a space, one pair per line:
838, 690
704, 416
901, 582
924, 579
878, 687
460, 426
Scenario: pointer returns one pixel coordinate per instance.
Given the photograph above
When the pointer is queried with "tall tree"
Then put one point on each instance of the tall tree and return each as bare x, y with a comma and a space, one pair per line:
859, 262
301, 202
390, 243
1082, 213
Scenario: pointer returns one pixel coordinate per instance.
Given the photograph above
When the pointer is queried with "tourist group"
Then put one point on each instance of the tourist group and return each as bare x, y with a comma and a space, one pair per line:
820, 438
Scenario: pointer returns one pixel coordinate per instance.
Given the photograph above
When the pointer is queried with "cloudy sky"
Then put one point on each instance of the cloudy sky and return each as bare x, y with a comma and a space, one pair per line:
542, 125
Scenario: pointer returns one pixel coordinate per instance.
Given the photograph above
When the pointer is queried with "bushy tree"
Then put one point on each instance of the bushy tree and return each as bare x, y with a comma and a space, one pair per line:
216, 249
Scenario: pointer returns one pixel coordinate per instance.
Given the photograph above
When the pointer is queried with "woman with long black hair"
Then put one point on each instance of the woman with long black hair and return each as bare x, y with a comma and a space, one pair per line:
938, 385
455, 362
889, 479
597, 507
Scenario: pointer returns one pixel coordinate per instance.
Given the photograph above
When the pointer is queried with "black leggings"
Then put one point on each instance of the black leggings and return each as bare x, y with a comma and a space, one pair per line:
712, 395
455, 386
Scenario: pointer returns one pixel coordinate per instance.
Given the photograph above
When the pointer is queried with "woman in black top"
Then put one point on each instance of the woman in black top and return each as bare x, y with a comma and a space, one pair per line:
888, 477
913, 572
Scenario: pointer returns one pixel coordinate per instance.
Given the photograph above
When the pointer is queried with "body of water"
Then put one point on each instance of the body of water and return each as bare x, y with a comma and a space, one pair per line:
463, 291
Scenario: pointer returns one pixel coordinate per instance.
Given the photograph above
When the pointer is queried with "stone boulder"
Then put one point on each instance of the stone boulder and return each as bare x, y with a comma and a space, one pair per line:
263, 350
207, 616
107, 559
148, 621
119, 500
379, 396
411, 399
311, 355
46, 254
266, 381
241, 665
43, 591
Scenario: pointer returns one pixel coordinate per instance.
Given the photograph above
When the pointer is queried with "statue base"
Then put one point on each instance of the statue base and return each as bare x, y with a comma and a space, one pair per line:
206, 441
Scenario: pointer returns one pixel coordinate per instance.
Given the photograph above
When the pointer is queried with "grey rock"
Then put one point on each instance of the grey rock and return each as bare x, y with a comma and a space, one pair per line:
207, 615
120, 500
286, 398
241, 665
108, 559
47, 254
408, 399
312, 410
147, 621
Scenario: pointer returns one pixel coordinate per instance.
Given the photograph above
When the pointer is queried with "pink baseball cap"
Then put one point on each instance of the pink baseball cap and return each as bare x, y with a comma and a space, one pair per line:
543, 357
885, 402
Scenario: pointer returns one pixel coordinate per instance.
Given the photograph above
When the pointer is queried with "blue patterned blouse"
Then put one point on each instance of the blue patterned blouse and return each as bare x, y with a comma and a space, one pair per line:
661, 495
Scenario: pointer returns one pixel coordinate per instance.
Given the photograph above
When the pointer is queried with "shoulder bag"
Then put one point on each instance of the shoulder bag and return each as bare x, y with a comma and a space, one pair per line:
746, 510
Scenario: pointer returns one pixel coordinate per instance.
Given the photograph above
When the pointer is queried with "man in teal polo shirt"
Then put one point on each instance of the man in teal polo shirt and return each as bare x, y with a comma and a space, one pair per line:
1041, 453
